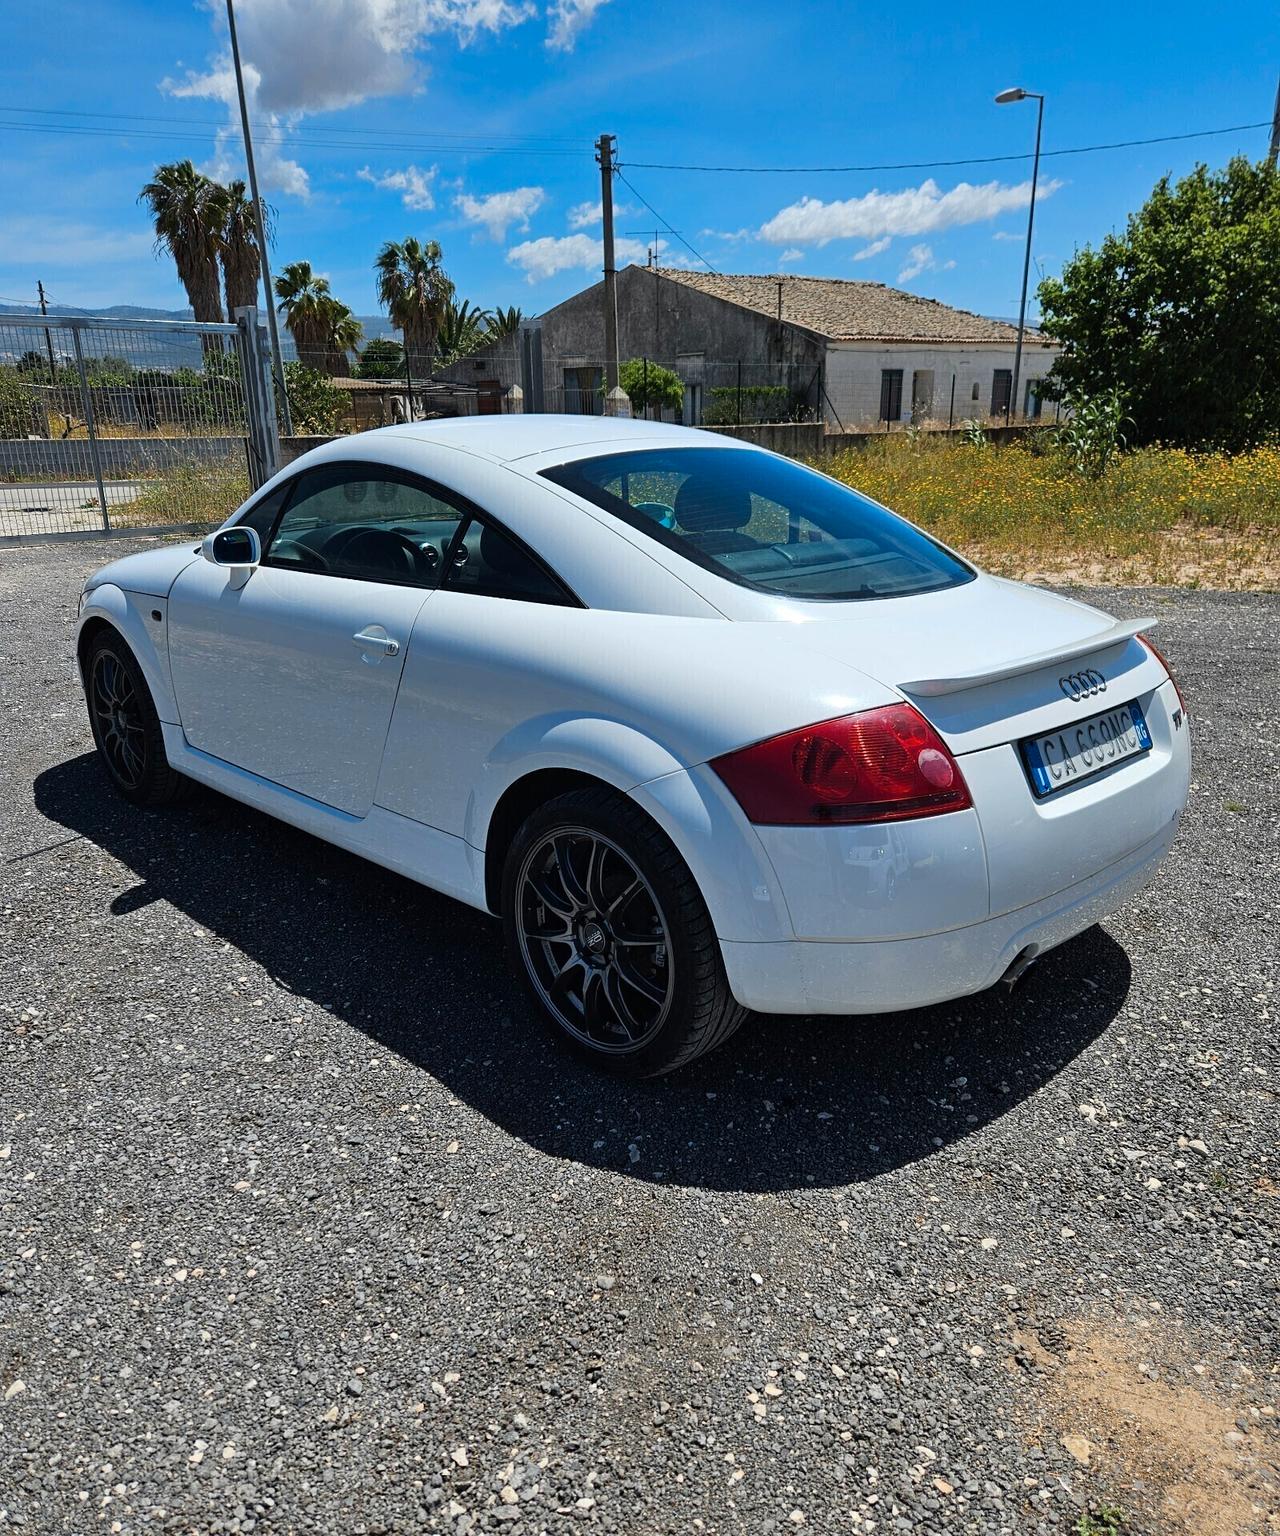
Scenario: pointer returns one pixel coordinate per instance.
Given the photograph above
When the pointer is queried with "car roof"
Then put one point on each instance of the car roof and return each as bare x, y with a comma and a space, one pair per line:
505, 438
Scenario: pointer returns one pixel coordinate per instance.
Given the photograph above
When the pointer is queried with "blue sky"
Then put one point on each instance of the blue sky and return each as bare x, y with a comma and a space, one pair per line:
471, 121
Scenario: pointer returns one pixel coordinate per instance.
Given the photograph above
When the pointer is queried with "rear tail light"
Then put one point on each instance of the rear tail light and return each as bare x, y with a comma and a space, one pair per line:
881, 765
1159, 656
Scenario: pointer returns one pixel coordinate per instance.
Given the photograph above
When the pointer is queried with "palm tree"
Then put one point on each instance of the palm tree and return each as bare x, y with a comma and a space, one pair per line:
238, 248
414, 289
190, 213
504, 322
305, 306
463, 329
323, 328
345, 335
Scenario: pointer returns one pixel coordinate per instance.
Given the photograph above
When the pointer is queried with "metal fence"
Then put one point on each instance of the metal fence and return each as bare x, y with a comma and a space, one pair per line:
108, 424
687, 389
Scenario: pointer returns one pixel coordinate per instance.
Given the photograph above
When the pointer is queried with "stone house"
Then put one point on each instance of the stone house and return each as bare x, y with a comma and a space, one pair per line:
854, 354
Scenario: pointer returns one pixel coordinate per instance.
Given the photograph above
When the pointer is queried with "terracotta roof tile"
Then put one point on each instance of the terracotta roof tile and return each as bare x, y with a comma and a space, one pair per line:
842, 309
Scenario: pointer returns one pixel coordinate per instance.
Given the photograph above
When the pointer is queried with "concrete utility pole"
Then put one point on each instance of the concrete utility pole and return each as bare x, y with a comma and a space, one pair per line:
605, 149
1275, 130
277, 367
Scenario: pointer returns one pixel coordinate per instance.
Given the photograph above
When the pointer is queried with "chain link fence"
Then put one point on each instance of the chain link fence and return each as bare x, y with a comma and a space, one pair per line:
108, 424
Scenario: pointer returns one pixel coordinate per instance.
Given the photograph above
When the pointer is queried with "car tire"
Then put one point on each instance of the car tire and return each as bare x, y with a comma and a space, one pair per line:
126, 729
608, 928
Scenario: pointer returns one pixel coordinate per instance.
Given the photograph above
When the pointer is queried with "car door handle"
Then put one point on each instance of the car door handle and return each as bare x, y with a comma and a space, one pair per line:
375, 638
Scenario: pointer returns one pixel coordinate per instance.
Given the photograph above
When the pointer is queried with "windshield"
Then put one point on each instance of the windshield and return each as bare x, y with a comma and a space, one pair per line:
765, 522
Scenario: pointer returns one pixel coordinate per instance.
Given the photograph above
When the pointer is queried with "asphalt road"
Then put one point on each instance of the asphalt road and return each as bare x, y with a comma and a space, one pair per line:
305, 1226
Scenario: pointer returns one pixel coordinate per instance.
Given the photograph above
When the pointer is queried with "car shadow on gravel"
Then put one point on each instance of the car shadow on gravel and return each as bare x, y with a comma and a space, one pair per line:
787, 1104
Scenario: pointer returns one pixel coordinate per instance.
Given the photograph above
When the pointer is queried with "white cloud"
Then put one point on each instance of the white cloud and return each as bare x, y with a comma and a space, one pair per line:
498, 211
1004, 234
920, 258
276, 171
413, 184
568, 18
876, 248
543, 258
792, 253
921, 210
727, 234
584, 215
303, 56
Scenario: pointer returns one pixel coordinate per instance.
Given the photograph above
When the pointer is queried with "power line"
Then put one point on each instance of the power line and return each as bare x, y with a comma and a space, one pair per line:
77, 130
265, 123
927, 165
663, 222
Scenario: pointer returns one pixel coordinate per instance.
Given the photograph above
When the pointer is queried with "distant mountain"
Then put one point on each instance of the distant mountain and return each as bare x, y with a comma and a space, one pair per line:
111, 312
374, 325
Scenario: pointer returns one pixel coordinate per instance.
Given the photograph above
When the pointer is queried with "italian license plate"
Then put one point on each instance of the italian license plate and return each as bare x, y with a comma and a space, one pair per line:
1078, 751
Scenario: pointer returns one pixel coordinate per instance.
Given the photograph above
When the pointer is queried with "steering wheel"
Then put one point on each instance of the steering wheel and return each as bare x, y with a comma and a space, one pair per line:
301, 555
384, 549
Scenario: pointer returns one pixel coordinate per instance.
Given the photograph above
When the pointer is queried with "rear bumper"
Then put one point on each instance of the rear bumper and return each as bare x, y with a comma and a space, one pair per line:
885, 975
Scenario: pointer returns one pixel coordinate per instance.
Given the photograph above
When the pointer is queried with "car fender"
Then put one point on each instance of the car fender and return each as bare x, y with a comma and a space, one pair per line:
134, 616
692, 807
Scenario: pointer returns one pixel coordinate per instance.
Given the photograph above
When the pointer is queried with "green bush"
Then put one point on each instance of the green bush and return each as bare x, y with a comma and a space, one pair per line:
650, 385
753, 402
15, 405
315, 403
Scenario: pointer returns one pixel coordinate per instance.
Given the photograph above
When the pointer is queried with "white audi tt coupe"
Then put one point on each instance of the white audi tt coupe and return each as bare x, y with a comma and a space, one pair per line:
711, 731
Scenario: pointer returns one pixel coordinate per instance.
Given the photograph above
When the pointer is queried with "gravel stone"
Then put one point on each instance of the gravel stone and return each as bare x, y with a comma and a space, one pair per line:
277, 1126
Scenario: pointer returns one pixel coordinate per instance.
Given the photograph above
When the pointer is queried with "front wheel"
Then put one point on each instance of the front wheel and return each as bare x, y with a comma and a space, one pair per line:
611, 933
126, 728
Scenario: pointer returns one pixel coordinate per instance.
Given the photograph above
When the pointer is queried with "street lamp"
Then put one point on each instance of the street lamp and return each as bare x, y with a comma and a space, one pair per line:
1016, 93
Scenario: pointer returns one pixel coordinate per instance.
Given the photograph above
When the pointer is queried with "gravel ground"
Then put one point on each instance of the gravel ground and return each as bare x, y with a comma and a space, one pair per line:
304, 1226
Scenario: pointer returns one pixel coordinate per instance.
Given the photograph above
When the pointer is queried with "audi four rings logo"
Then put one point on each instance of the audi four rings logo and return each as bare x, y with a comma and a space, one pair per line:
1082, 685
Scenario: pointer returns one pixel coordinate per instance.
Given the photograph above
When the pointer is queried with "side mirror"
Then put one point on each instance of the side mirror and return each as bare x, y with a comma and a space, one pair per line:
238, 548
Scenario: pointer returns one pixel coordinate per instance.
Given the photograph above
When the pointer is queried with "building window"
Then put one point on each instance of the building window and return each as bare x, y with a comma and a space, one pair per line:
890, 394
975, 391
1001, 390
1033, 404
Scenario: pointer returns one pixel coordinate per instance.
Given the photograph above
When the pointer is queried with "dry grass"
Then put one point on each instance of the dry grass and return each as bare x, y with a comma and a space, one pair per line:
1160, 515
188, 493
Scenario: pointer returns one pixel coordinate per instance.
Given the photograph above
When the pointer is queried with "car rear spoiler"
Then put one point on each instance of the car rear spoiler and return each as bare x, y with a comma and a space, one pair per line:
1117, 634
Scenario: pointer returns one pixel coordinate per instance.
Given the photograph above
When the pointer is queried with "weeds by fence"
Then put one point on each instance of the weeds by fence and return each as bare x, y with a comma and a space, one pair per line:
106, 422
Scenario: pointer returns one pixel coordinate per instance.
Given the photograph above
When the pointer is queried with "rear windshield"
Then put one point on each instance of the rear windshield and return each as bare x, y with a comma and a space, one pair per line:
764, 522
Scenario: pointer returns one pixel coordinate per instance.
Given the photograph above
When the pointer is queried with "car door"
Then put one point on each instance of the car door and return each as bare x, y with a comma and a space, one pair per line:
292, 672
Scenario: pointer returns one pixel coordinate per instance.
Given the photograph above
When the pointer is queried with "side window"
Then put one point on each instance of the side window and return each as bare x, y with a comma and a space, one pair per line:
489, 563
262, 515
368, 522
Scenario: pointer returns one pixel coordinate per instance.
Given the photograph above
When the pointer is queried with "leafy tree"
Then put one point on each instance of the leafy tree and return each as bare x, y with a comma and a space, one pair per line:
414, 289
380, 358
650, 385
1180, 315
189, 211
463, 330
504, 322
317, 404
